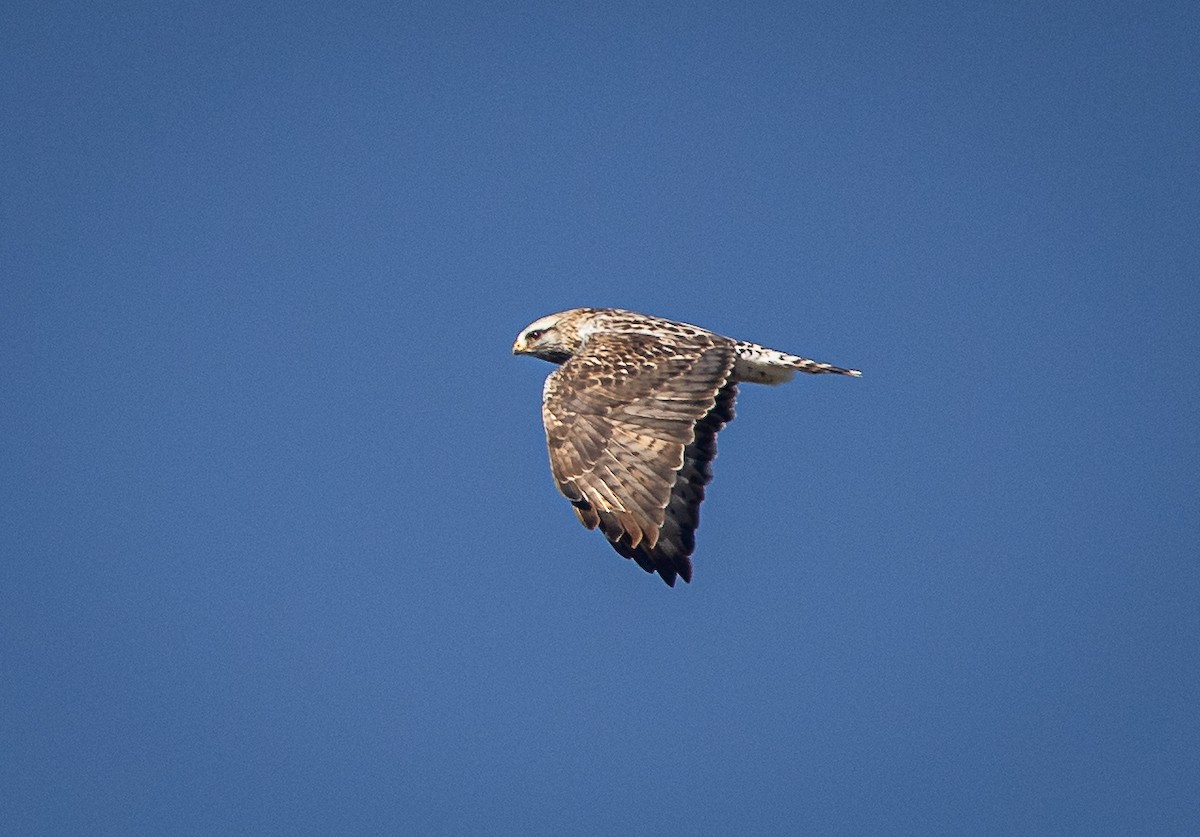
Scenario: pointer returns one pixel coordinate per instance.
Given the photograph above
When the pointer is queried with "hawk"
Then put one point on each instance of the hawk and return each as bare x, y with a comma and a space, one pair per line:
632, 416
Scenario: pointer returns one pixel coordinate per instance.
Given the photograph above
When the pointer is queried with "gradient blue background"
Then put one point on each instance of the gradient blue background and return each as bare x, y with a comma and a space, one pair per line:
281, 552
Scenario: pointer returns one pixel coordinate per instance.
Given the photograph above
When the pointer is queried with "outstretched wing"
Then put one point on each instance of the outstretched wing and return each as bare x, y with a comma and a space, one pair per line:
631, 424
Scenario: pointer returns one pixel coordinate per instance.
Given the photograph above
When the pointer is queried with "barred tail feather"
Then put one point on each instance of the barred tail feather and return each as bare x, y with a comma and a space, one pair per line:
814, 367
760, 365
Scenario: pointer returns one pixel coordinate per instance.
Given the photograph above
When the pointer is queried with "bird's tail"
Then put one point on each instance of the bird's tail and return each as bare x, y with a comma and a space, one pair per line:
815, 367
760, 365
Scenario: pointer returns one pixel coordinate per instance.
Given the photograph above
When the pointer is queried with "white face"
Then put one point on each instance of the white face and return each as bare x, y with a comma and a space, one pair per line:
537, 328
541, 338
537, 335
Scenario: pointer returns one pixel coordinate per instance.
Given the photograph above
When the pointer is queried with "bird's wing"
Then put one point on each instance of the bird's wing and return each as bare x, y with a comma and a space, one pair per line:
631, 424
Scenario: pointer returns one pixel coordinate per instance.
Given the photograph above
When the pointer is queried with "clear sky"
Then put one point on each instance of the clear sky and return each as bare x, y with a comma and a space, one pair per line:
281, 551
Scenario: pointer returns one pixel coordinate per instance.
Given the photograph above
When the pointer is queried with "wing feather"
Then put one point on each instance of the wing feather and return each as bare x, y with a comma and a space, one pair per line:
631, 429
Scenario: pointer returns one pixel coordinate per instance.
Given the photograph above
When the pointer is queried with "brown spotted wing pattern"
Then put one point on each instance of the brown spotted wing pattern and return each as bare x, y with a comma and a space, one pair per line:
631, 423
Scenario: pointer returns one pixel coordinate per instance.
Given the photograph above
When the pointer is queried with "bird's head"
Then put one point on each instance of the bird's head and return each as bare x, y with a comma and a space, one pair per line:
554, 338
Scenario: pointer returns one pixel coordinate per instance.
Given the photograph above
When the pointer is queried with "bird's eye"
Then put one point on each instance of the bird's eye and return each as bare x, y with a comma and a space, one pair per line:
535, 334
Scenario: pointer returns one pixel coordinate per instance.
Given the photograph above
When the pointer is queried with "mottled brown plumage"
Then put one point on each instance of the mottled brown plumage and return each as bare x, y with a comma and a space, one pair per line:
632, 417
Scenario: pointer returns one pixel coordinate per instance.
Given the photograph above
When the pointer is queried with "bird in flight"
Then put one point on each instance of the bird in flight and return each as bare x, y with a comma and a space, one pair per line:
632, 416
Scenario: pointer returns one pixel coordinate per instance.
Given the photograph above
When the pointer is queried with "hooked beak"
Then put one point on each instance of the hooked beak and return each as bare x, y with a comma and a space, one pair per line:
518, 348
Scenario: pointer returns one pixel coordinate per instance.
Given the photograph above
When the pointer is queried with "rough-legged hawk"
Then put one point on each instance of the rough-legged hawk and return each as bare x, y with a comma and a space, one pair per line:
632, 416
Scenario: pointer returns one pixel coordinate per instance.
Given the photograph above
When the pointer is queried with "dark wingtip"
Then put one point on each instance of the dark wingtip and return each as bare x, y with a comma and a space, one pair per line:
669, 566
680, 568
685, 570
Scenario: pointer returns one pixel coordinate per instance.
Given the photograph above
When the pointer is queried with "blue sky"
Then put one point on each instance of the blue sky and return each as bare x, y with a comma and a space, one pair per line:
281, 551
